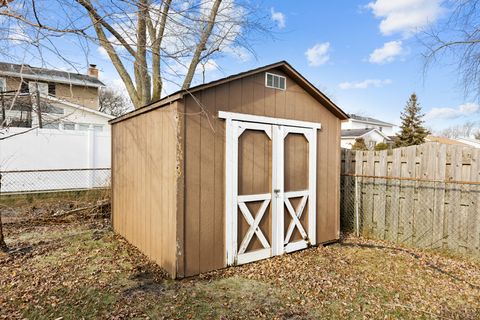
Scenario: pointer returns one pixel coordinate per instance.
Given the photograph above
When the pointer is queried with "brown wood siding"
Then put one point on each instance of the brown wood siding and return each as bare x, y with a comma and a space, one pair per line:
205, 168
144, 183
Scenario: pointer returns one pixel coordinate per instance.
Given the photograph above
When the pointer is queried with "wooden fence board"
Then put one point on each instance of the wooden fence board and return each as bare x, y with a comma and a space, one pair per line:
427, 196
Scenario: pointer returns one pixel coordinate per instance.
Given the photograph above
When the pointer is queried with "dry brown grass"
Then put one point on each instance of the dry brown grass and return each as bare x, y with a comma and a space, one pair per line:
74, 269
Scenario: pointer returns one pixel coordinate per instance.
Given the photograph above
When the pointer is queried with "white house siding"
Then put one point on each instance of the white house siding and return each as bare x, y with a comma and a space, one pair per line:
372, 136
356, 124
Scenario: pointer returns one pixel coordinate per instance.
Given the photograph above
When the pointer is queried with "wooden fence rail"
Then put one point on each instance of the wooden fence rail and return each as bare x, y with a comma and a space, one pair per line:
426, 196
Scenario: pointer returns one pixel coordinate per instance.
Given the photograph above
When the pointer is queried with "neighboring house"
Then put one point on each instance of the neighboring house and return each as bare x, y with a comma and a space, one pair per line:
69, 101
371, 137
372, 130
469, 141
54, 146
361, 122
444, 140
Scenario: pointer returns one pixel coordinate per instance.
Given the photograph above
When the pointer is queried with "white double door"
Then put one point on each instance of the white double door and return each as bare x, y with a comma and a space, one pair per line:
284, 210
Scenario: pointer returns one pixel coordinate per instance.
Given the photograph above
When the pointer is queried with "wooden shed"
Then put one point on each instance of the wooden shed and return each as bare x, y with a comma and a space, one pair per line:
232, 171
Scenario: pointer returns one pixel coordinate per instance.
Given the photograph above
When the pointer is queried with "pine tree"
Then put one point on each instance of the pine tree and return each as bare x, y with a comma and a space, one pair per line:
412, 130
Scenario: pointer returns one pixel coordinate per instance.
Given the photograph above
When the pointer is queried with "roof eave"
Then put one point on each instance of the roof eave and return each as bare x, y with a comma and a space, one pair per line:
43, 78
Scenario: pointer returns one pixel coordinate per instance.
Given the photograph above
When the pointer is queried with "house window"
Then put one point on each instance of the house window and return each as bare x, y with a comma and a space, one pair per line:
51, 89
83, 126
42, 87
51, 125
3, 84
275, 81
98, 128
24, 87
380, 128
68, 126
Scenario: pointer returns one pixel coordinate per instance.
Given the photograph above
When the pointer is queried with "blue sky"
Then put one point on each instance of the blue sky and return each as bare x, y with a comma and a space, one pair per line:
363, 54
350, 32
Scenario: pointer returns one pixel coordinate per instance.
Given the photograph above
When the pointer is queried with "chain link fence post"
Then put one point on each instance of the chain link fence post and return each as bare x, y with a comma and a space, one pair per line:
357, 209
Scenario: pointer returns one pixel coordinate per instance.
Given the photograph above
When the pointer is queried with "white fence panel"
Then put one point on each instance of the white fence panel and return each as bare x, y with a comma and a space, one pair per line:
50, 159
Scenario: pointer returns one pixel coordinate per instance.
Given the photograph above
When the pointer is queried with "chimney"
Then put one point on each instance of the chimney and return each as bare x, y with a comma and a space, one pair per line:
93, 71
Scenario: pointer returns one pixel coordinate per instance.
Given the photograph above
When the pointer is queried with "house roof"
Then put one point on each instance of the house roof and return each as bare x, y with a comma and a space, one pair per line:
48, 75
357, 133
369, 120
77, 106
444, 140
282, 65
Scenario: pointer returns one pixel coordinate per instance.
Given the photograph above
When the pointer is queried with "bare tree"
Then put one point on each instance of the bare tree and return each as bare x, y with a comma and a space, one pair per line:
458, 39
148, 42
466, 130
113, 102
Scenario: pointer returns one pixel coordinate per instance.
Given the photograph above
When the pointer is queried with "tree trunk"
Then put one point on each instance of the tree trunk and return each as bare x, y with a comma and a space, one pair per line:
3, 245
201, 45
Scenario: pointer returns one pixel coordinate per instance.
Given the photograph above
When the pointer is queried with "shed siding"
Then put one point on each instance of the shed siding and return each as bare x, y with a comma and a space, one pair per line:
205, 168
144, 184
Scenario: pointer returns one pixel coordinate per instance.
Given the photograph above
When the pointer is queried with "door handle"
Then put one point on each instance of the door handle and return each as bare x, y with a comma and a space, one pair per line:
276, 192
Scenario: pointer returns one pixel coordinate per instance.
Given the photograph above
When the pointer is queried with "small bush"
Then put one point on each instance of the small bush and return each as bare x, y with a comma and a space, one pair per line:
381, 146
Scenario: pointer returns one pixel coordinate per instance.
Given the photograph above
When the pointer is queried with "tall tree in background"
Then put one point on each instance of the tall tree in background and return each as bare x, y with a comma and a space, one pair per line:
149, 42
412, 132
456, 40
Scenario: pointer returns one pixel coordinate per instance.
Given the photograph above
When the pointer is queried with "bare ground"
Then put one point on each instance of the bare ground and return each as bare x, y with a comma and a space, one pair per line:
74, 268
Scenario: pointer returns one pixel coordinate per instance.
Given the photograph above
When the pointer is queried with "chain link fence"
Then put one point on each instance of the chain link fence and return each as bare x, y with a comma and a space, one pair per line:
20, 181
418, 212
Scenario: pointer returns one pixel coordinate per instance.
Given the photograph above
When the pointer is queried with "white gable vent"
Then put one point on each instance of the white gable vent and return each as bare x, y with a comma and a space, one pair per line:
275, 81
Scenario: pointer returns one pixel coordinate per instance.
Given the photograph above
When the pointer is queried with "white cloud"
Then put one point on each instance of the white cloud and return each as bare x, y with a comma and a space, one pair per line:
103, 53
278, 18
464, 110
210, 65
240, 53
405, 16
387, 53
318, 54
364, 84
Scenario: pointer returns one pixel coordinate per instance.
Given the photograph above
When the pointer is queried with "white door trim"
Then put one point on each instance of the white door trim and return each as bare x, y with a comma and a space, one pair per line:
267, 120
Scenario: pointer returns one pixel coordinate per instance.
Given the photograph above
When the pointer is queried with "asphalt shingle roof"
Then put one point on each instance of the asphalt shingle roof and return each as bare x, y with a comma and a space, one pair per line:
49, 75
368, 119
355, 132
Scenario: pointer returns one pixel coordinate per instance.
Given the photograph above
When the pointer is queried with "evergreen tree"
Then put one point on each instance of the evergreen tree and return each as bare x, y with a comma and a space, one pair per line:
412, 130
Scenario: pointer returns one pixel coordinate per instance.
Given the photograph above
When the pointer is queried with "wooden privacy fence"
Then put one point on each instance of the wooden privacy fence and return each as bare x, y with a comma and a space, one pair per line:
427, 196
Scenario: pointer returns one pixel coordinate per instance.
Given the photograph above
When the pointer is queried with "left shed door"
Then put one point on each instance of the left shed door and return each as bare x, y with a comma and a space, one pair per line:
249, 159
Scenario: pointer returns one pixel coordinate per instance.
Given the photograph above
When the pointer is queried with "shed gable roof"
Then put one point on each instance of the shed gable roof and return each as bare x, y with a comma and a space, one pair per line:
282, 65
